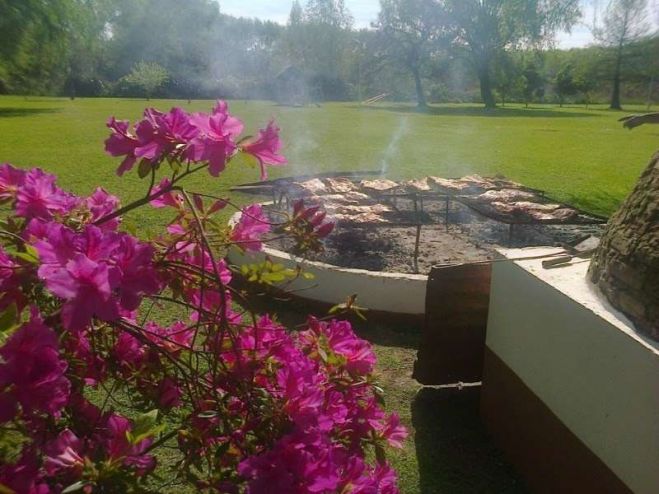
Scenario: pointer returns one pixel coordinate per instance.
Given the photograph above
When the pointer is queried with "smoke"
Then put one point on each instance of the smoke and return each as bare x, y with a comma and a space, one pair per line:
301, 150
392, 148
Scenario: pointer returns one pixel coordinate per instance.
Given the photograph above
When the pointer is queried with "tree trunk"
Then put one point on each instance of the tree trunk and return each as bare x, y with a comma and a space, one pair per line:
615, 95
420, 96
486, 85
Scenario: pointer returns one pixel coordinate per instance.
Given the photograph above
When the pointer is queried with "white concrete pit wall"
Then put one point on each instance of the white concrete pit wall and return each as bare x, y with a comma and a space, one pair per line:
583, 360
388, 292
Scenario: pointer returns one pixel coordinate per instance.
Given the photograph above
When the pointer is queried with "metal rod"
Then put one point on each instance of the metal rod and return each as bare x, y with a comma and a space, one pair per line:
448, 203
416, 248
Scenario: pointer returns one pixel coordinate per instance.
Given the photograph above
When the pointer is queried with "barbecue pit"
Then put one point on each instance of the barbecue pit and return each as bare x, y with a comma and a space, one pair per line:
427, 221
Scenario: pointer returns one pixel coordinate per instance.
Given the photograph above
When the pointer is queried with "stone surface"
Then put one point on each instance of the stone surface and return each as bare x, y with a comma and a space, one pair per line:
626, 264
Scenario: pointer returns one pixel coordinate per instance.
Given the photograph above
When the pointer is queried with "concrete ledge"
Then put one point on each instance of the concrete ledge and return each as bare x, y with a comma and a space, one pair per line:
581, 359
396, 293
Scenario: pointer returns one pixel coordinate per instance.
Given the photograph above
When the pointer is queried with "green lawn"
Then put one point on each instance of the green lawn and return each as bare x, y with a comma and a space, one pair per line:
577, 155
581, 156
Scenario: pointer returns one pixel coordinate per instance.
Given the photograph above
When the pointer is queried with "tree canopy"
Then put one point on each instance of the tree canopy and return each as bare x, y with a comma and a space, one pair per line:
416, 50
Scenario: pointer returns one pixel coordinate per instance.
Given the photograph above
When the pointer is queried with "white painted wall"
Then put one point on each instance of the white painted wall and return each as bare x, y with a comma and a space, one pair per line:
582, 359
389, 292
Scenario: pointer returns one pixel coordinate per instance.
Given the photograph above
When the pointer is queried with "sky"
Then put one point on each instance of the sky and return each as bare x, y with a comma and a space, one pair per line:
366, 11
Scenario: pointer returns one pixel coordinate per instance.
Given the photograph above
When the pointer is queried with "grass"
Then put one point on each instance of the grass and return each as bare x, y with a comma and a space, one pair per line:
581, 156
577, 155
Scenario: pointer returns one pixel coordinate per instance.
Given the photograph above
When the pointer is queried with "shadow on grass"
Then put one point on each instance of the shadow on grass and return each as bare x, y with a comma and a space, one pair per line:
8, 112
454, 452
475, 111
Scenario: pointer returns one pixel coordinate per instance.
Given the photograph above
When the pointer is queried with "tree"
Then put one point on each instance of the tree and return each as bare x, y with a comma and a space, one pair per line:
486, 28
624, 22
33, 42
295, 17
87, 39
329, 12
182, 40
410, 29
507, 76
327, 38
148, 76
585, 81
532, 82
564, 82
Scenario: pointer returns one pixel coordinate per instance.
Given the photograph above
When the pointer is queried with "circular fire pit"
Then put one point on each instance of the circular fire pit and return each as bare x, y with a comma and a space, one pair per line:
390, 235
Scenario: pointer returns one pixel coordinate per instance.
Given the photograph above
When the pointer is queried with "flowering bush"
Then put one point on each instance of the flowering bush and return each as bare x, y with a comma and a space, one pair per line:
97, 381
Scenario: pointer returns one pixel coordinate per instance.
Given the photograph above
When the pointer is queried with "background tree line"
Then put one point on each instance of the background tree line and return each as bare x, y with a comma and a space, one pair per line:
490, 51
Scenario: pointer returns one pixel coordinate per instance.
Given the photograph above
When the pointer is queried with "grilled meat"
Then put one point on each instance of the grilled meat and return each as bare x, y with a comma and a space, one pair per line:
381, 185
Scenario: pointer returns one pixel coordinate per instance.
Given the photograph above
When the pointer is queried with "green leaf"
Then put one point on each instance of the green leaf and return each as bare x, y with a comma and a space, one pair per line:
6, 490
144, 426
360, 312
32, 251
337, 308
322, 353
380, 454
175, 166
245, 159
144, 168
75, 487
9, 319
222, 449
30, 255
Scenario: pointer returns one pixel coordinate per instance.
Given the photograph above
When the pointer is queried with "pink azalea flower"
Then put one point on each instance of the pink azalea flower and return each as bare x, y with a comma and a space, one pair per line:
138, 276
393, 431
97, 273
86, 363
168, 199
162, 133
121, 143
39, 197
357, 353
128, 351
251, 225
312, 219
32, 373
24, 476
215, 142
100, 204
302, 391
86, 286
169, 393
10, 180
63, 454
325, 230
9, 284
385, 480
118, 447
266, 148
174, 338
298, 463
156, 135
